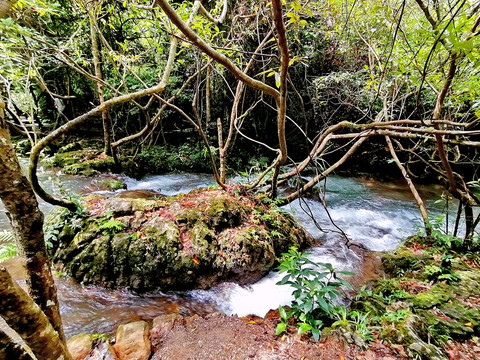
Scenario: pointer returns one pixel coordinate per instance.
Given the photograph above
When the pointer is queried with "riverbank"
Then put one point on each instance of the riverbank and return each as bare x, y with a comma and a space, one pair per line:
408, 314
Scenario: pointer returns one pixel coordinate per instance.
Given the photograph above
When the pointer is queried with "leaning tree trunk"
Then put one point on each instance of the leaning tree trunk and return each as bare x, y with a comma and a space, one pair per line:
29, 321
27, 223
9, 349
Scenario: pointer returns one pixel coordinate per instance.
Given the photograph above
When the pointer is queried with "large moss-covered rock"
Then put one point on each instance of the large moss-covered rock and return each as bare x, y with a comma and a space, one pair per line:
188, 241
86, 162
434, 310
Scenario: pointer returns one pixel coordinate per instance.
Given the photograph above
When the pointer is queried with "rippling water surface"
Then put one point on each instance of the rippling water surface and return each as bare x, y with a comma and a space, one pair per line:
374, 215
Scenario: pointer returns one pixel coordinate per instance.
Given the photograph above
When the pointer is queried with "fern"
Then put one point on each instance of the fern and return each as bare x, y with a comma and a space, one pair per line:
112, 227
7, 251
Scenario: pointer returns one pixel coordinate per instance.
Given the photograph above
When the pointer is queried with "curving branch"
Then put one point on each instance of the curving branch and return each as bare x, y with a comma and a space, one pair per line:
211, 52
35, 153
218, 20
411, 185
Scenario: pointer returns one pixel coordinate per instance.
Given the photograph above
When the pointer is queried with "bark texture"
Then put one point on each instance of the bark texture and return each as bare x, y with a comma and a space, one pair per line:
29, 321
9, 349
97, 63
27, 223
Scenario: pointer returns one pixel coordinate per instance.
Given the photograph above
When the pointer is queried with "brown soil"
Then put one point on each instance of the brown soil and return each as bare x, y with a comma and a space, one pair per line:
218, 336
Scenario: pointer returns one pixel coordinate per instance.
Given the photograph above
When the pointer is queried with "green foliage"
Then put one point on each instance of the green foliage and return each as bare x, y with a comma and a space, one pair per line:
52, 228
102, 337
51, 234
432, 271
284, 318
111, 227
442, 271
439, 240
59, 274
396, 316
8, 248
186, 157
354, 321
7, 251
254, 167
387, 292
438, 333
316, 288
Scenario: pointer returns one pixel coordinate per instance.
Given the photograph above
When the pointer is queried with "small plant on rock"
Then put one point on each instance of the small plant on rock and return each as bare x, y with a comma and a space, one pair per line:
353, 321
316, 289
111, 227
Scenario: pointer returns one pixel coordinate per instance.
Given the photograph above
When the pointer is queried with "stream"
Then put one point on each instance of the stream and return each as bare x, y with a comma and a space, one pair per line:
375, 215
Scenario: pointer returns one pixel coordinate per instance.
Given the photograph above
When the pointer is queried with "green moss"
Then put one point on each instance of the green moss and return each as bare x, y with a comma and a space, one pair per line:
433, 297
70, 148
114, 184
202, 239
190, 216
120, 245
147, 204
224, 212
439, 312
469, 283
401, 261
80, 169
172, 243
93, 264
82, 162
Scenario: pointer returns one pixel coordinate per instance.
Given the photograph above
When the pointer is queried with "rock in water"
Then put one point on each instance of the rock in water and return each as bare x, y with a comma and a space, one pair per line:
79, 346
132, 341
188, 241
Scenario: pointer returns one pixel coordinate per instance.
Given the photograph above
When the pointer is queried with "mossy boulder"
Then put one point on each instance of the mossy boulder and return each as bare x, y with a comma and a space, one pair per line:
435, 309
114, 184
188, 241
401, 261
87, 162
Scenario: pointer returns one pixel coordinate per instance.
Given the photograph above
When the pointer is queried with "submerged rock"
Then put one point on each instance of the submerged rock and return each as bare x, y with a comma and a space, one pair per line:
189, 241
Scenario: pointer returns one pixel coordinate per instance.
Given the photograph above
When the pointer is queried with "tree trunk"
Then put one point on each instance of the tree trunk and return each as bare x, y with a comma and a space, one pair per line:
27, 223
208, 95
281, 101
411, 185
9, 349
27, 319
97, 64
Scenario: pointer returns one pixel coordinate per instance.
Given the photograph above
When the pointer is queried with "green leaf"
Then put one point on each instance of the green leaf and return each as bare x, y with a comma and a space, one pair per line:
323, 304
304, 327
303, 317
280, 328
7, 21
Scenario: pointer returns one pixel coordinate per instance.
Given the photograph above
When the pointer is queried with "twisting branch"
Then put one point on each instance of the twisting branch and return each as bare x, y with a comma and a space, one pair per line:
218, 20
35, 153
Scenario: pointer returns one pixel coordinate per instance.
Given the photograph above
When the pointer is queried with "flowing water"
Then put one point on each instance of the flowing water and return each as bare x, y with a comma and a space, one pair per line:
374, 215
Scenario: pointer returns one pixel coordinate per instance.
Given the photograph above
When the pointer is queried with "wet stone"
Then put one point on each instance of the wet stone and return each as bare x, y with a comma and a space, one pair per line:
188, 241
